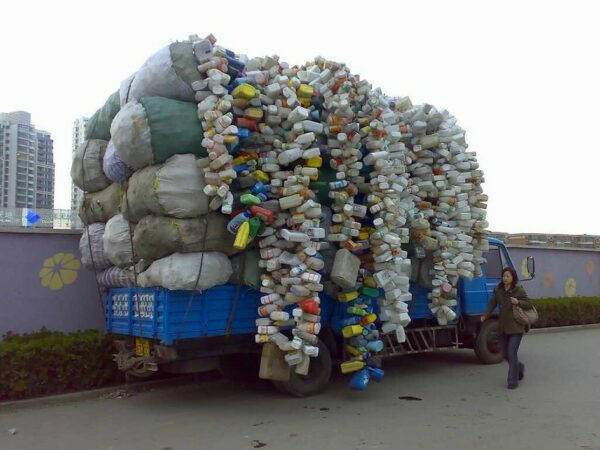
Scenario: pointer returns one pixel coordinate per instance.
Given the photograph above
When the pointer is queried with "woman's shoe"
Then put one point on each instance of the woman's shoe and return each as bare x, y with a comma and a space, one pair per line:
513, 386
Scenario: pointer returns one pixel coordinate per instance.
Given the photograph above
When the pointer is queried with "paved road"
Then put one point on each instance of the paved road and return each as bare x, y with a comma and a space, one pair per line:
463, 405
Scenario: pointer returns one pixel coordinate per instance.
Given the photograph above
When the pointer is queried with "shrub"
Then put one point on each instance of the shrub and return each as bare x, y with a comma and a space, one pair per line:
558, 312
46, 363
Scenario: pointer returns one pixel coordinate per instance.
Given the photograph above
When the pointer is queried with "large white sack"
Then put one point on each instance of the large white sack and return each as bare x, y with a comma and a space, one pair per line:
168, 73
174, 189
86, 168
158, 236
100, 206
130, 130
96, 260
179, 271
117, 241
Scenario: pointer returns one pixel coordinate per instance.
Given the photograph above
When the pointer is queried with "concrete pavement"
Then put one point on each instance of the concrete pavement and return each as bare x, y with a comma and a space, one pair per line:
443, 400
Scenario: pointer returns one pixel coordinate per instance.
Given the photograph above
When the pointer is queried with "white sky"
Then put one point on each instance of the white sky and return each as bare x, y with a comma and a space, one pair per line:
522, 77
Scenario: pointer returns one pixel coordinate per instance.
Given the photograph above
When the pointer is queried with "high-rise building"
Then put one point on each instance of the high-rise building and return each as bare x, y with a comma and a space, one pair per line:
26, 163
77, 140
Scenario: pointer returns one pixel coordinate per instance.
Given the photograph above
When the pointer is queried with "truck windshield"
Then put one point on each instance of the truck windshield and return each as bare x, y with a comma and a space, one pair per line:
494, 264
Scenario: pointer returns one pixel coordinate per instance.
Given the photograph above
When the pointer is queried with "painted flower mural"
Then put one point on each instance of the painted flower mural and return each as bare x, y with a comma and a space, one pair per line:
59, 270
571, 287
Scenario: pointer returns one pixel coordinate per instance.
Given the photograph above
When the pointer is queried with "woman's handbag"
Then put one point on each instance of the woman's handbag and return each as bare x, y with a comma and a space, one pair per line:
526, 317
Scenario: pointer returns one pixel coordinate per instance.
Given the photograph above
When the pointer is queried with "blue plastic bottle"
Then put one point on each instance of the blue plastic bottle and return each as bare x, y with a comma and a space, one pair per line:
237, 221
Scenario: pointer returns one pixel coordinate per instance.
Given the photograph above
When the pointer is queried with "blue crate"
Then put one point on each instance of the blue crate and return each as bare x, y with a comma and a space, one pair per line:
163, 312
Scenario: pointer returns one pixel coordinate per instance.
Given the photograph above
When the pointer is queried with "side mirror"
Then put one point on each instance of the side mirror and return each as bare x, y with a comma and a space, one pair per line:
530, 268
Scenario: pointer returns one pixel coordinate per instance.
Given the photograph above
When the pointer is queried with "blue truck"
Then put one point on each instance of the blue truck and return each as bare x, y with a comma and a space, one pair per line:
192, 331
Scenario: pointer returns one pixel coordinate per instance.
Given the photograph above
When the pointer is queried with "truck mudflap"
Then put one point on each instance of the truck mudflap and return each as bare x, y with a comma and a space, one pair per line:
420, 340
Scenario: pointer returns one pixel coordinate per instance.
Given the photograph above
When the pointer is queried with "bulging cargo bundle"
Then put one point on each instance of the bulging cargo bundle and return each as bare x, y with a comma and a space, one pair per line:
91, 247
153, 129
174, 189
100, 206
98, 126
169, 73
113, 166
188, 271
156, 237
117, 241
115, 277
86, 169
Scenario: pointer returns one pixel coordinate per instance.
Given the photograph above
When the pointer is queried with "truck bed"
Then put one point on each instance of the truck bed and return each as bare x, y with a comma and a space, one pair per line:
219, 311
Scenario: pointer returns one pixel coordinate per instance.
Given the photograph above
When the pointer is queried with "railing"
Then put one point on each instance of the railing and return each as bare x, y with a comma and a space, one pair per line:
49, 218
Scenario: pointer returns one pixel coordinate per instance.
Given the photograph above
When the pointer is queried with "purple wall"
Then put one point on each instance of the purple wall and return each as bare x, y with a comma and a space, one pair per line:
43, 283
559, 272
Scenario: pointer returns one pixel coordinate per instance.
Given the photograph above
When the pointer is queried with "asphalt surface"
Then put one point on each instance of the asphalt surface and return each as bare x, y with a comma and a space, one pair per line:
443, 400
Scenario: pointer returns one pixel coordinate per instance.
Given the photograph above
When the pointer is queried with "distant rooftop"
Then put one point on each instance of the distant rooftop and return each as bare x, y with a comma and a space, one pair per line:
550, 240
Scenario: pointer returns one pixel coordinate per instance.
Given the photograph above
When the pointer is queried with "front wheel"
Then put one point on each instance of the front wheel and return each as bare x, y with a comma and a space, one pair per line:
487, 344
319, 373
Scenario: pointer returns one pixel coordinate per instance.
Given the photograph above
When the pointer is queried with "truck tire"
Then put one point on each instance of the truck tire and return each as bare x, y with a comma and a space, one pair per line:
487, 344
317, 379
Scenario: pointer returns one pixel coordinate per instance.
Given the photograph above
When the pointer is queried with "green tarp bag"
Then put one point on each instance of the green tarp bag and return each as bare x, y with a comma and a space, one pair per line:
154, 129
98, 127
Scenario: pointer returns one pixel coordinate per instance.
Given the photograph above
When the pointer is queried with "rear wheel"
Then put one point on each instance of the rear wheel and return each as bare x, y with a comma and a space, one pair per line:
319, 373
487, 344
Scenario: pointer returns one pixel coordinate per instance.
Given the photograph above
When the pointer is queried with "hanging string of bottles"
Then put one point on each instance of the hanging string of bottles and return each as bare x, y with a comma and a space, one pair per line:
402, 176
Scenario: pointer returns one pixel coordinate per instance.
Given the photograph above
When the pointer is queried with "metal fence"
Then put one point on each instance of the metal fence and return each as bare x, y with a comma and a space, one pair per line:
65, 219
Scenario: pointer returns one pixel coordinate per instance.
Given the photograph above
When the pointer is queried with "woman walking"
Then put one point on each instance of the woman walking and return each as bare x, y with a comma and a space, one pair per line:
507, 294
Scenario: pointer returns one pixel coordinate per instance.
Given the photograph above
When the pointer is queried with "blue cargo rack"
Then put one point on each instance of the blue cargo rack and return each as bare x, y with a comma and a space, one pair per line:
213, 312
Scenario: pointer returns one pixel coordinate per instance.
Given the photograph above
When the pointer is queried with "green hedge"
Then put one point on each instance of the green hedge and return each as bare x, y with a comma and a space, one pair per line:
46, 363
558, 312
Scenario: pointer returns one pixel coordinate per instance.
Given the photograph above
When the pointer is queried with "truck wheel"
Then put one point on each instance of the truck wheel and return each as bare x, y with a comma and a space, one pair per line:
487, 345
317, 379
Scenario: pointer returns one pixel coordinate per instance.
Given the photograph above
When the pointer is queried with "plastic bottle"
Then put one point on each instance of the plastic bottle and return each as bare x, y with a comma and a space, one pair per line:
293, 236
352, 366
353, 330
242, 237
237, 221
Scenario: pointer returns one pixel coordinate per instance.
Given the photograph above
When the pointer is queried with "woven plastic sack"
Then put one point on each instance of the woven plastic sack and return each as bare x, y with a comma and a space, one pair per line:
180, 271
113, 166
86, 169
115, 277
117, 241
156, 237
92, 237
168, 73
172, 189
100, 206
98, 127
153, 129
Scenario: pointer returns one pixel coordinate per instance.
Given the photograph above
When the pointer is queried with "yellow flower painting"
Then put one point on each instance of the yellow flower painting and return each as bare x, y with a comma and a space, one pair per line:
571, 287
59, 270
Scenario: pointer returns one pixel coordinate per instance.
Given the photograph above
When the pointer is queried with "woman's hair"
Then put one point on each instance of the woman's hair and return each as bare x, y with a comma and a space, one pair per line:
514, 276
